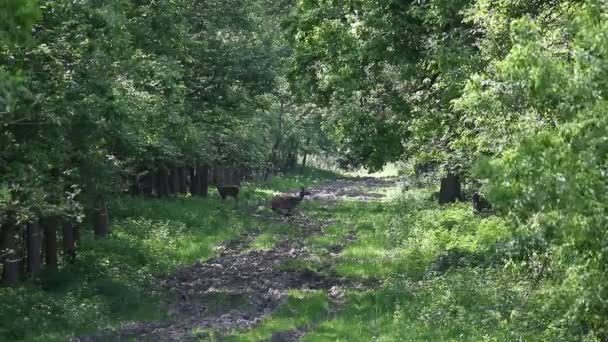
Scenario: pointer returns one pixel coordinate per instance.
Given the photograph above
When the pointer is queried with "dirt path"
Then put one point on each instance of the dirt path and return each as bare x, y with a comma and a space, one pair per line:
239, 287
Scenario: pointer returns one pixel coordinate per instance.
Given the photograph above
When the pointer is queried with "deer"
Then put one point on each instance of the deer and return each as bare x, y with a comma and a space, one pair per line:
288, 202
228, 191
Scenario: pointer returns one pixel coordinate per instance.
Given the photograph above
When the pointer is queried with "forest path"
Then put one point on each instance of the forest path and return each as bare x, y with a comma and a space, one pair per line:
241, 286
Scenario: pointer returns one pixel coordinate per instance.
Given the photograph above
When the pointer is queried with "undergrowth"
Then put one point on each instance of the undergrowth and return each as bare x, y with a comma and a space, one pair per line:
444, 274
114, 279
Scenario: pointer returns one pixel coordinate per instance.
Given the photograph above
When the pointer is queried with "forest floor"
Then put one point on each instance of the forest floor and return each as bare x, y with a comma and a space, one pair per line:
363, 259
260, 273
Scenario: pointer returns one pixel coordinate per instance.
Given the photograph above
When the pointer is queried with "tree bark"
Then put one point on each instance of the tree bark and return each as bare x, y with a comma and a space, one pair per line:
173, 181
218, 172
243, 173
76, 234
135, 188
69, 241
163, 182
149, 182
304, 159
8, 254
50, 243
195, 181
183, 180
450, 190
34, 248
203, 172
229, 176
101, 223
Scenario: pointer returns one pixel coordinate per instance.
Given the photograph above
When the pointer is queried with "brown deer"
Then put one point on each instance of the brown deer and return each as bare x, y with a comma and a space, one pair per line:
288, 202
228, 191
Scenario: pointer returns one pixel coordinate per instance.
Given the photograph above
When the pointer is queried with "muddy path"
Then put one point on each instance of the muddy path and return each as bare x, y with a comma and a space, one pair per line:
239, 287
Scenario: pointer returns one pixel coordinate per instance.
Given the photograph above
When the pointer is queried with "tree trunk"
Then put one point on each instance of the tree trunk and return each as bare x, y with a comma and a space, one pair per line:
101, 223
135, 188
77, 234
450, 190
183, 180
173, 181
195, 181
69, 241
243, 173
50, 243
218, 172
8, 254
227, 176
34, 248
203, 172
149, 182
304, 159
163, 182
240, 174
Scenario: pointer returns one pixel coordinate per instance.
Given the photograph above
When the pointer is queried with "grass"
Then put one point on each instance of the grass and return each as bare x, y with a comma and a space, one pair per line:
113, 280
444, 273
302, 309
440, 273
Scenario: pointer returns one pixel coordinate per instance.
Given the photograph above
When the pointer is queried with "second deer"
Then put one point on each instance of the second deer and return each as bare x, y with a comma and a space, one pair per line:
287, 202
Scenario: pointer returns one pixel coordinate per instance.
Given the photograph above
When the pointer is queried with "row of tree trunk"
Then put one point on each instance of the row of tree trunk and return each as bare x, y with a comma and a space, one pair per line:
169, 181
40, 242
26, 251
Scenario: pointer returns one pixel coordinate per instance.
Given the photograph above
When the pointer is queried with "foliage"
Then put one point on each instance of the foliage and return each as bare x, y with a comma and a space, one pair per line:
510, 94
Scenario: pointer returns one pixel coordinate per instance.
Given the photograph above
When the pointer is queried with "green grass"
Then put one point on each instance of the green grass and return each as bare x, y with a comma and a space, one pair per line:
302, 309
443, 273
440, 277
113, 280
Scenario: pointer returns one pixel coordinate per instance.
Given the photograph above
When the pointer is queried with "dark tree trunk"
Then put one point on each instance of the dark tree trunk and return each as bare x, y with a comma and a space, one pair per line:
304, 159
243, 173
203, 172
226, 175
217, 174
195, 181
77, 234
148, 183
173, 181
8, 254
163, 182
69, 241
183, 180
34, 248
240, 175
450, 190
135, 188
178, 179
101, 222
50, 243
